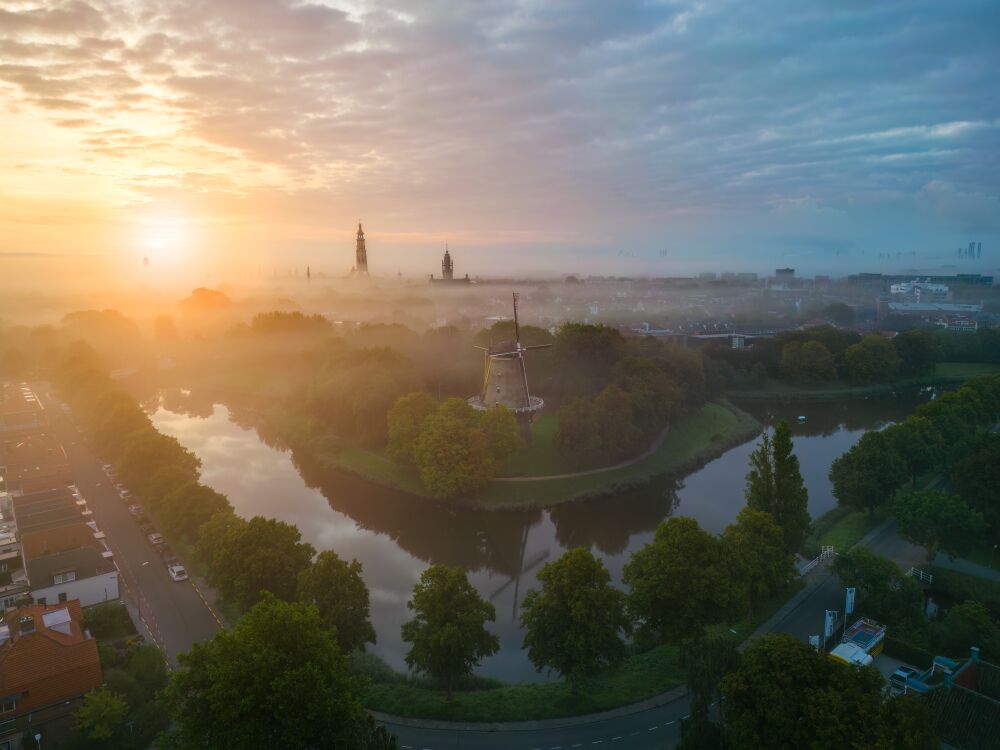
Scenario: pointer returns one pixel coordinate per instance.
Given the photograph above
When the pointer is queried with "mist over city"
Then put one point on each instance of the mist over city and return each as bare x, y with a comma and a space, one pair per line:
500, 375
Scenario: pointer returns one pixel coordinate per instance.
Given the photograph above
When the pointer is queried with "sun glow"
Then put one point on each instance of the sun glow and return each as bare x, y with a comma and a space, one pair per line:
165, 239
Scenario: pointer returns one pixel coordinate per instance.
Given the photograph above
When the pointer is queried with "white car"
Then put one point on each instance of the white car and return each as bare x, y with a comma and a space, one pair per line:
156, 538
135, 510
177, 573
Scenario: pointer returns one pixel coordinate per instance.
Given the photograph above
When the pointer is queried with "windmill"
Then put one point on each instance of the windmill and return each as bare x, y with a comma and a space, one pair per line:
505, 379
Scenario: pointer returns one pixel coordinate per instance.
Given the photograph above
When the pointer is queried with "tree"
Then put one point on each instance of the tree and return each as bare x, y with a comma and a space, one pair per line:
452, 452
187, 507
808, 362
619, 436
785, 696
868, 474
578, 436
502, 432
336, 588
257, 556
757, 556
917, 350
885, 592
654, 394
775, 486
872, 360
574, 623
705, 661
918, 443
148, 668
406, 421
101, 714
678, 581
976, 477
937, 520
277, 679
969, 624
448, 633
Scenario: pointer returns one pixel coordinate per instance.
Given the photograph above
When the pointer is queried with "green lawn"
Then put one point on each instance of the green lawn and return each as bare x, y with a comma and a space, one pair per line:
965, 369
541, 457
691, 442
640, 676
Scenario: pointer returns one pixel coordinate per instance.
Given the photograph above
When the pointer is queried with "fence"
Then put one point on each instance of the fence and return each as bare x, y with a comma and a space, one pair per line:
825, 554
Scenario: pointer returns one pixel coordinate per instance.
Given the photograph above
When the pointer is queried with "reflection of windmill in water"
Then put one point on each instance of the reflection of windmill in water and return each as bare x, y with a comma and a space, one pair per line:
523, 566
505, 379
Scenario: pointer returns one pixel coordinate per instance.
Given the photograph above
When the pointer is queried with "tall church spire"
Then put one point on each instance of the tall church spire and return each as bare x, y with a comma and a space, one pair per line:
361, 260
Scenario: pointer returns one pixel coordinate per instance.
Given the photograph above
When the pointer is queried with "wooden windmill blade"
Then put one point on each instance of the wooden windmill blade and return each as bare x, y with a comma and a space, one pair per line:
536, 346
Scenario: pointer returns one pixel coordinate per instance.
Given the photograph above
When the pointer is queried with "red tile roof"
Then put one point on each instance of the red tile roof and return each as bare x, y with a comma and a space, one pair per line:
47, 666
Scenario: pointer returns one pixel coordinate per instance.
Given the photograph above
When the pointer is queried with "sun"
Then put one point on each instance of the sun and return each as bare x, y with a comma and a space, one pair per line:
164, 239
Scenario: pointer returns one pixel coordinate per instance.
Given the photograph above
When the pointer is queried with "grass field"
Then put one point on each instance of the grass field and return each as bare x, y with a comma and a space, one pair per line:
692, 441
841, 528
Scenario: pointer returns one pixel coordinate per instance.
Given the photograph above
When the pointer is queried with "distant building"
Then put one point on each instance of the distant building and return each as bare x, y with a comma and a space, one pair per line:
448, 271
945, 314
360, 254
47, 663
784, 274
921, 291
21, 411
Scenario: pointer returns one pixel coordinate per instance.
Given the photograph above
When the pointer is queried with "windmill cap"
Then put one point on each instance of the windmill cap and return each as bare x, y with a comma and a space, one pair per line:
504, 347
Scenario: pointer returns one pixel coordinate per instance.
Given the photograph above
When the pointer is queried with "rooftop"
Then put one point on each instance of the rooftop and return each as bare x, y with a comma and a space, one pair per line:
85, 562
49, 541
33, 458
45, 510
46, 656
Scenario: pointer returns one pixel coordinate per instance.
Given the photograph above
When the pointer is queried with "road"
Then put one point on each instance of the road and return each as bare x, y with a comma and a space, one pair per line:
652, 729
176, 614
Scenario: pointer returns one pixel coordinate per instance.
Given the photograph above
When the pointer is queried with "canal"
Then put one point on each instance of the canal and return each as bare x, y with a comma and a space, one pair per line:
396, 537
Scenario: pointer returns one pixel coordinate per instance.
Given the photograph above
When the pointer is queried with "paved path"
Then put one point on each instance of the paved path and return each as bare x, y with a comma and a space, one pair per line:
649, 452
966, 566
175, 615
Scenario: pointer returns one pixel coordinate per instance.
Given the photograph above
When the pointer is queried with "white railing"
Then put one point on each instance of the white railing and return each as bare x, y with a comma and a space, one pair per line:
826, 553
921, 575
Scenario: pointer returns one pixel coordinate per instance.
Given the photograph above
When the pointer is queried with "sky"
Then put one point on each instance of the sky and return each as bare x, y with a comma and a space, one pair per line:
243, 137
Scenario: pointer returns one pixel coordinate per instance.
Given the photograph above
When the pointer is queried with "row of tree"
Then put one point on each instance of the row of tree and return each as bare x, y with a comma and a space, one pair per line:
952, 435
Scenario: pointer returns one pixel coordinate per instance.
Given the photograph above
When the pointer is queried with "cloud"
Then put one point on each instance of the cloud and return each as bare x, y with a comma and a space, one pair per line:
616, 121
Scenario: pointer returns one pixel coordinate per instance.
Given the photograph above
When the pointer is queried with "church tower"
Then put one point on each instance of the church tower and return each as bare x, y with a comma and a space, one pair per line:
447, 267
361, 261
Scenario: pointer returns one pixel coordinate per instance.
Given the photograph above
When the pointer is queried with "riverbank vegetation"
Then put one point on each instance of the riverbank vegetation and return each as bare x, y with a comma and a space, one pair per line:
828, 362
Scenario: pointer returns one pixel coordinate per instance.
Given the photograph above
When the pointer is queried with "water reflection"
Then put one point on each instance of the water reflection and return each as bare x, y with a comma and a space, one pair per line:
396, 536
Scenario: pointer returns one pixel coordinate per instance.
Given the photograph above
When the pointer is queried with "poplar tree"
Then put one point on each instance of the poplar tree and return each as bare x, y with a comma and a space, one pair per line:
775, 485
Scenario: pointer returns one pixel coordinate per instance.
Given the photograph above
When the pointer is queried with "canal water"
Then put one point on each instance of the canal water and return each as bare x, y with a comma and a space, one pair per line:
396, 536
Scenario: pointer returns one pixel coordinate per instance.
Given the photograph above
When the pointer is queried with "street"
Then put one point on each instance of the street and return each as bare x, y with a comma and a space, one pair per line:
175, 614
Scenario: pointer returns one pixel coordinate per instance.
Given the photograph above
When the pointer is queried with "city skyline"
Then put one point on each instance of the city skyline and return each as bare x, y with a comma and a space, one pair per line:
656, 139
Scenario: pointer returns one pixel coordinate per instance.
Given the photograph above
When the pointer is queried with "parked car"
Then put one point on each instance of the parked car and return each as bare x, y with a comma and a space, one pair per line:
135, 510
147, 528
897, 680
156, 538
171, 559
177, 572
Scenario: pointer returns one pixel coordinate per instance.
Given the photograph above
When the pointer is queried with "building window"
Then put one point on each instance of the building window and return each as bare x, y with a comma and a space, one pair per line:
62, 597
7, 706
66, 576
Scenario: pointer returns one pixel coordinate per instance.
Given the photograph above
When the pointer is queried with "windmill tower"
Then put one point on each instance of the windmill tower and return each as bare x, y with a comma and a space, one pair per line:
505, 379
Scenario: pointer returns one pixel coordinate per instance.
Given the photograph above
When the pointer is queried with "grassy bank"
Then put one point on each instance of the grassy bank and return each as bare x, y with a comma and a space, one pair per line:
945, 373
692, 442
841, 528
641, 676
541, 457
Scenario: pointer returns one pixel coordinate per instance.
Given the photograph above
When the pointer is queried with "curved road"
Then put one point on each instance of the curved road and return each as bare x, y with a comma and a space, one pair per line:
650, 729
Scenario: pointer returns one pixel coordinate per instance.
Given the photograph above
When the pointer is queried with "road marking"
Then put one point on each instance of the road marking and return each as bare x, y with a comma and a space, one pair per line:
597, 742
614, 739
652, 728
668, 723
576, 745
